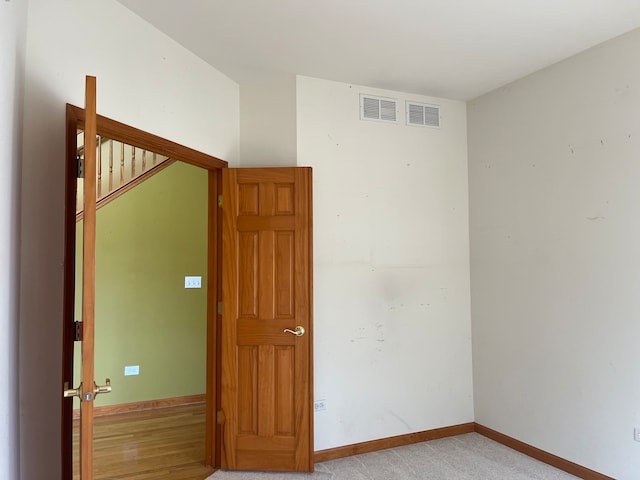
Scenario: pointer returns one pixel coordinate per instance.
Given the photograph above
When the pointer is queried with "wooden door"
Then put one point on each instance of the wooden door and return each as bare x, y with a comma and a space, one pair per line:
267, 305
86, 390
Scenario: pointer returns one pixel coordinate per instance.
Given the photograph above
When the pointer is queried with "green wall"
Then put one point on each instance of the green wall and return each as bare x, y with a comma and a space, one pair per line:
147, 241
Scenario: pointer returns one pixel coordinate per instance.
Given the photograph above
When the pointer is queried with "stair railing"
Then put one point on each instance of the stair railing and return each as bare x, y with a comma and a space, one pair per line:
135, 166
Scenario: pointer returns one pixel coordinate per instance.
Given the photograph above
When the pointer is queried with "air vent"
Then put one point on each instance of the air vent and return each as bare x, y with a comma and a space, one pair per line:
378, 108
423, 114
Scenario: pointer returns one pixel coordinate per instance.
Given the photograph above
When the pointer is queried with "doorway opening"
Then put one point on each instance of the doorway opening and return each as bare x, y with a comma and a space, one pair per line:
186, 160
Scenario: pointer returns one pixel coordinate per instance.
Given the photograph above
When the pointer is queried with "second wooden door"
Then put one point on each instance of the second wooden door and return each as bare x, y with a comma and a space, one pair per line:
267, 320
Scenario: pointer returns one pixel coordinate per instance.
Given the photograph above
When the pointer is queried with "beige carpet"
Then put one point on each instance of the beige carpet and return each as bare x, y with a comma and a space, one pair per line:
465, 457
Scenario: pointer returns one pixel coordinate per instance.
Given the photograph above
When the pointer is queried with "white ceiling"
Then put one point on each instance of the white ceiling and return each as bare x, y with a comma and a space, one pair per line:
456, 49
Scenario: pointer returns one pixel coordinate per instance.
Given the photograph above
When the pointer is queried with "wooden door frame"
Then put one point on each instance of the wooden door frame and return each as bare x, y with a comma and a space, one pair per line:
133, 136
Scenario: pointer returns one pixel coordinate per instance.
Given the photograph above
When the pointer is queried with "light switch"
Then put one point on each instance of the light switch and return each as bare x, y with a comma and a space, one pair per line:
192, 282
131, 370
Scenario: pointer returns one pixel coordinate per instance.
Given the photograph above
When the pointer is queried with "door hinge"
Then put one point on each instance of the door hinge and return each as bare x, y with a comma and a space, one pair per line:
77, 331
219, 308
220, 417
219, 201
79, 166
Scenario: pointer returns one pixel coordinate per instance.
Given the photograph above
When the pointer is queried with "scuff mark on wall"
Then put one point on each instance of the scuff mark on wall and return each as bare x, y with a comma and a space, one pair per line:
400, 419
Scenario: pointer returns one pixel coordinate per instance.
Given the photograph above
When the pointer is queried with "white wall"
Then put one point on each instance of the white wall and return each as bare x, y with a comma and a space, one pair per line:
12, 46
268, 122
145, 80
554, 168
391, 269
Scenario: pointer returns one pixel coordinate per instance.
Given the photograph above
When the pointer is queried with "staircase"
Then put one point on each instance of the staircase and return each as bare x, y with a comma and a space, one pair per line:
120, 167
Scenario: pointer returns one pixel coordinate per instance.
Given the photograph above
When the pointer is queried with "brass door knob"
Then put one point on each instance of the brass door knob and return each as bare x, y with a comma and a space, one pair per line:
72, 392
298, 332
102, 389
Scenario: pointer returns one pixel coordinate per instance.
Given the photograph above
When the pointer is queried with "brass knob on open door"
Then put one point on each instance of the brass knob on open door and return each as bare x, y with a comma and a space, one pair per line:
298, 332
104, 389
72, 392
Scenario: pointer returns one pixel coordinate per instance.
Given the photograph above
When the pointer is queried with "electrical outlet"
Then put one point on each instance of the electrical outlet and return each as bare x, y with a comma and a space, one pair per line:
192, 282
320, 405
636, 434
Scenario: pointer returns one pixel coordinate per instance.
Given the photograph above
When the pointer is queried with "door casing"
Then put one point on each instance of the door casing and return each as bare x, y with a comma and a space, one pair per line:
118, 131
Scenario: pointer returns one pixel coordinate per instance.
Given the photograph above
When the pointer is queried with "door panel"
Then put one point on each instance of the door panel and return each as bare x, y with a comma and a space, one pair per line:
267, 372
88, 285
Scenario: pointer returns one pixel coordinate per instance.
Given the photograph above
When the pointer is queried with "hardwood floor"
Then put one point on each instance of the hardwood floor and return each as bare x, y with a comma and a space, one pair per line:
166, 443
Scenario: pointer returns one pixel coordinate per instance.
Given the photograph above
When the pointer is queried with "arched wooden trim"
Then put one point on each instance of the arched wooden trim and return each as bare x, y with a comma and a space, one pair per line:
139, 138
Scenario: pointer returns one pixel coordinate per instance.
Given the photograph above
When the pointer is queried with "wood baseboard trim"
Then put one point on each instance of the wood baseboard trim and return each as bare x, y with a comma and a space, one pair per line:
144, 405
545, 457
391, 442
401, 440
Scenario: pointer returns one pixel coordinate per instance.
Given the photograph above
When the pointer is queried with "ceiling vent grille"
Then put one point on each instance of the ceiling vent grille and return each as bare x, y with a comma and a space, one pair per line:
423, 114
378, 108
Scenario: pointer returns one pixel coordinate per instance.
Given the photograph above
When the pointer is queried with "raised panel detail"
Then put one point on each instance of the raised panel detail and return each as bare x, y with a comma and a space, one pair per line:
248, 390
285, 385
266, 390
284, 262
266, 285
248, 274
248, 195
284, 199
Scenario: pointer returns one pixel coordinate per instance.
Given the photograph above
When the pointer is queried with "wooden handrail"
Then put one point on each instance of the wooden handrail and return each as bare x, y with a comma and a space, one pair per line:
128, 186
132, 160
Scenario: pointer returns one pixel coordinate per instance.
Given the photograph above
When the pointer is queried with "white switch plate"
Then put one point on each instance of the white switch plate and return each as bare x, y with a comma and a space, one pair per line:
192, 282
131, 370
636, 434
320, 405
